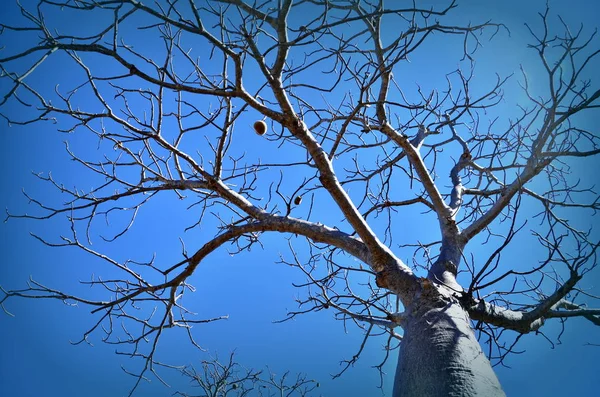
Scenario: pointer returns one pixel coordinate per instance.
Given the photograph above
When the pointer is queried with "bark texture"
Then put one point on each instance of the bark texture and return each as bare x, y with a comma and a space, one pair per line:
439, 354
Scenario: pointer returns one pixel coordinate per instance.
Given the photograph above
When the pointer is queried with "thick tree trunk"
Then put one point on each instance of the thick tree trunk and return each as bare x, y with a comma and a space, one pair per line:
439, 354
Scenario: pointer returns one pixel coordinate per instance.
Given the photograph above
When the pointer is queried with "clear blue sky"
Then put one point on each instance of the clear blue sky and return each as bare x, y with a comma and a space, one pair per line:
36, 358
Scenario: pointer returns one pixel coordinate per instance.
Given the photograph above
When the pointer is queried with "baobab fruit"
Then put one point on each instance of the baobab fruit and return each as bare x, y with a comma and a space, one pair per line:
260, 127
298, 200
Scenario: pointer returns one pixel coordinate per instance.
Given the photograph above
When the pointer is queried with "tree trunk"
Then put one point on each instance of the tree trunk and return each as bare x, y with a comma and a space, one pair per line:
439, 354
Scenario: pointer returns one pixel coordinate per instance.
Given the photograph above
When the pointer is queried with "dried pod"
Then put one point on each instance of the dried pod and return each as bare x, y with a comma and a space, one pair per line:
260, 127
298, 200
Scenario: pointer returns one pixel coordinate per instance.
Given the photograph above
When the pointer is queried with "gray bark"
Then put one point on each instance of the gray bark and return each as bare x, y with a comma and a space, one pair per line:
439, 354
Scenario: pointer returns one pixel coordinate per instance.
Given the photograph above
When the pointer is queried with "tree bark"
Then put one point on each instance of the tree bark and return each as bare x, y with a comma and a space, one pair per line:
439, 354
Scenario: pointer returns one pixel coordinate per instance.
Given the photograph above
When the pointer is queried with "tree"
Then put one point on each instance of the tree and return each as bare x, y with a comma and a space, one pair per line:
361, 147
226, 379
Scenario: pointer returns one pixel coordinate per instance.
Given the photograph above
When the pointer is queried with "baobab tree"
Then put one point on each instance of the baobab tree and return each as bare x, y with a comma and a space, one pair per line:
304, 119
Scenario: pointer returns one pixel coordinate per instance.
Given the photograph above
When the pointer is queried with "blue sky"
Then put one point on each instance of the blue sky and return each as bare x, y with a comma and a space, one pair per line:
37, 357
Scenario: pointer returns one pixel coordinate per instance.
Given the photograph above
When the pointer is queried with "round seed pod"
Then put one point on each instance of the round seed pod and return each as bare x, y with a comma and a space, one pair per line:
260, 127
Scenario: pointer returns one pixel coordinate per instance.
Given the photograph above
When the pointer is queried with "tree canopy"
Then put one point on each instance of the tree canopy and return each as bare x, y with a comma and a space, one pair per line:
373, 152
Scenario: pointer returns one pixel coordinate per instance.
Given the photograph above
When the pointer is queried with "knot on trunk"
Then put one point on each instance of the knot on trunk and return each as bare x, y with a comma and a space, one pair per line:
450, 266
381, 279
